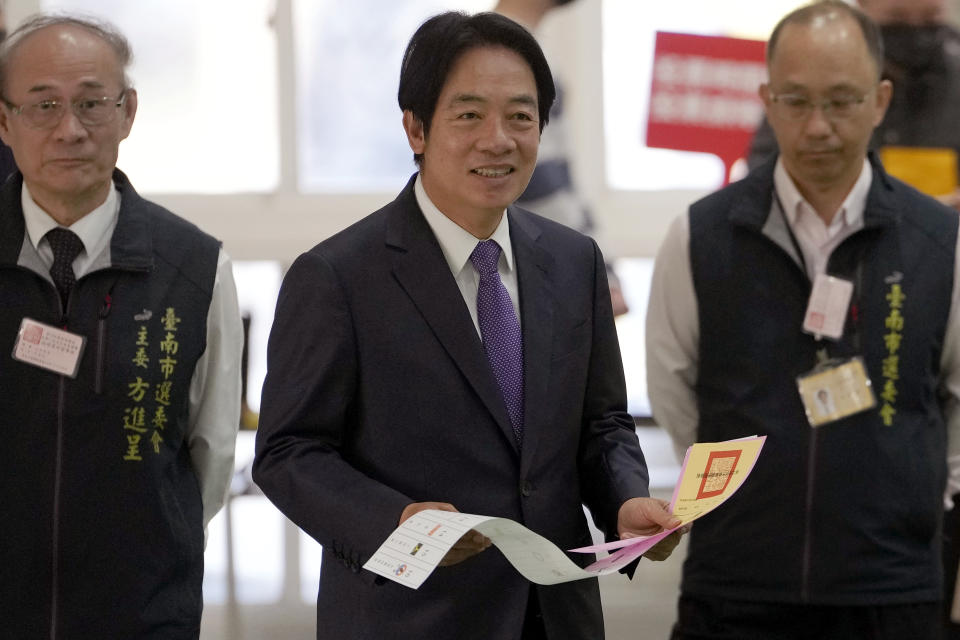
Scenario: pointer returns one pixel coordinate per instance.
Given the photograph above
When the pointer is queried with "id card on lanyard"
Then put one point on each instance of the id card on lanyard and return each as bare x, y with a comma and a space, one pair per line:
828, 307
835, 388
47, 347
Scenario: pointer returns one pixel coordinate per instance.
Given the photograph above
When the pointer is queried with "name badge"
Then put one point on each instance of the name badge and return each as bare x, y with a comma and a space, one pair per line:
49, 348
827, 307
836, 390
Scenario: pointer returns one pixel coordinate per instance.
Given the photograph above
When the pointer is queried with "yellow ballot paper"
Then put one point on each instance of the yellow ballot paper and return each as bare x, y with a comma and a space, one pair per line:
932, 170
711, 473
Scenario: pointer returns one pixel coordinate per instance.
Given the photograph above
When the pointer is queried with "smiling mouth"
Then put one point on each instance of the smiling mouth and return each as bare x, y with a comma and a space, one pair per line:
492, 173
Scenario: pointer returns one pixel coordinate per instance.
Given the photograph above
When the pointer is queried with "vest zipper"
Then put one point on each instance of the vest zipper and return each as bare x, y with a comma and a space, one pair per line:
57, 481
808, 520
101, 343
855, 312
55, 582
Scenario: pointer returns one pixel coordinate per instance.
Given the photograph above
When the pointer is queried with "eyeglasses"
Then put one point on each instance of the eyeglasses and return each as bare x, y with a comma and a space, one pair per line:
795, 106
46, 114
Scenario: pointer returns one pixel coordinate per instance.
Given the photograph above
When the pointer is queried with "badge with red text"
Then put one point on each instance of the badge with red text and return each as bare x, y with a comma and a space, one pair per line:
47, 347
827, 308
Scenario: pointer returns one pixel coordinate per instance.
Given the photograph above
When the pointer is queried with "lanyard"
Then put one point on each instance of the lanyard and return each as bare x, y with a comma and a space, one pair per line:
793, 238
854, 311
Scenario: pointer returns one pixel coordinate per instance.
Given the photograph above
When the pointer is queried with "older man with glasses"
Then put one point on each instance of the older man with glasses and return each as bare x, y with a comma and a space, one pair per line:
817, 271
119, 393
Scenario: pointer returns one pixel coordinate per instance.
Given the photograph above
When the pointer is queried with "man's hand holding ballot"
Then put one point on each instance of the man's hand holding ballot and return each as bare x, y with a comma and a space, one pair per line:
470, 544
433, 534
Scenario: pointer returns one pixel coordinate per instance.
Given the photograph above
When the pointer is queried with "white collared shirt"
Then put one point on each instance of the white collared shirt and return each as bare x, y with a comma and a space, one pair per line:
94, 229
457, 244
817, 240
214, 403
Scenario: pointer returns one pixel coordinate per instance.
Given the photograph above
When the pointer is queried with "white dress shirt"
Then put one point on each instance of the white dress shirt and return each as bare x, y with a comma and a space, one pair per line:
672, 331
457, 244
817, 240
214, 402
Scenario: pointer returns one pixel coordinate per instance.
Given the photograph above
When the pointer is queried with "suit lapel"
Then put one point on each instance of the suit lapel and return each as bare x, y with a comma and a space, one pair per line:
422, 271
536, 308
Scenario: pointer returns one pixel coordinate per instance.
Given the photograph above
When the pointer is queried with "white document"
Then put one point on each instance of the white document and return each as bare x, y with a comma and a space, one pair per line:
415, 548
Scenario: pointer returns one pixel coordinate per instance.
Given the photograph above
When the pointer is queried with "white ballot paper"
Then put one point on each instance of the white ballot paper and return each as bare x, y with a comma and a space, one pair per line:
711, 473
415, 548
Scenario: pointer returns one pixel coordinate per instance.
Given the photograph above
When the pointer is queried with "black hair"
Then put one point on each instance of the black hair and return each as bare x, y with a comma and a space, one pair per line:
439, 43
807, 13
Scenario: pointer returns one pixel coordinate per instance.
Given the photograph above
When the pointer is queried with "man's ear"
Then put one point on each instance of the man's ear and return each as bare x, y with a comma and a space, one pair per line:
5, 125
764, 92
413, 127
884, 94
129, 112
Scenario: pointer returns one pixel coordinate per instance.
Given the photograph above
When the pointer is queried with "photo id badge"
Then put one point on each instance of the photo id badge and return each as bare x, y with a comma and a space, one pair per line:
835, 390
827, 307
48, 347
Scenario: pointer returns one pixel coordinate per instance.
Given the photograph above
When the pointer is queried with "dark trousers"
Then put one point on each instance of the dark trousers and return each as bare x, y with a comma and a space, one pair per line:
533, 628
706, 618
951, 557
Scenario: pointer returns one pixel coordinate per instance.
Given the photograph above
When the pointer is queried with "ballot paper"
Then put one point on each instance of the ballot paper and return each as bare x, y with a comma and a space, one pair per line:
710, 474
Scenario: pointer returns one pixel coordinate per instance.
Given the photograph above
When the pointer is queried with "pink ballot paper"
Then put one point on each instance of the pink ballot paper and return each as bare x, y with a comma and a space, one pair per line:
711, 473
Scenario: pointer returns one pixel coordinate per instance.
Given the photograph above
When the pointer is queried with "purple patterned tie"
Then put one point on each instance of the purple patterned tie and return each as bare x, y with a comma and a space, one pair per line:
66, 247
502, 339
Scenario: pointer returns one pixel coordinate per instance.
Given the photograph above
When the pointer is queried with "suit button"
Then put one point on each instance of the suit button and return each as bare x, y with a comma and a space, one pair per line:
526, 489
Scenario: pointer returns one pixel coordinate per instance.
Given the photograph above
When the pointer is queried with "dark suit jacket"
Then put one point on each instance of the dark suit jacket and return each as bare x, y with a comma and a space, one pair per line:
378, 394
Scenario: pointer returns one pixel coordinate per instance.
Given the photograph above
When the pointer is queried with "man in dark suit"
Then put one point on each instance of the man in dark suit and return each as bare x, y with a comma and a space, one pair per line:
406, 373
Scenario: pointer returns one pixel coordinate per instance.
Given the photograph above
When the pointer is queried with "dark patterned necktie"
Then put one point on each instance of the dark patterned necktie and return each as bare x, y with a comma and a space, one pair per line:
66, 247
502, 339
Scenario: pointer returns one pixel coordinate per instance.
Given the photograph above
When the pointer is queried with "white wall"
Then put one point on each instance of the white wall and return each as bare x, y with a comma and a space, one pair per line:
630, 223
283, 224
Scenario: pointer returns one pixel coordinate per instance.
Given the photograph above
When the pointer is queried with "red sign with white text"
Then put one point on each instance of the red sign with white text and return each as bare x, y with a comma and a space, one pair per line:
703, 96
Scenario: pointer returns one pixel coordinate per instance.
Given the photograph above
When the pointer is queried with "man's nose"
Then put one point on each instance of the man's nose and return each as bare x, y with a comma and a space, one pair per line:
495, 136
818, 122
70, 128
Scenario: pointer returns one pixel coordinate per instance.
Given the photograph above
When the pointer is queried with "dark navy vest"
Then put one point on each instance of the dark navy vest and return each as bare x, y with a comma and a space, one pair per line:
101, 534
848, 513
